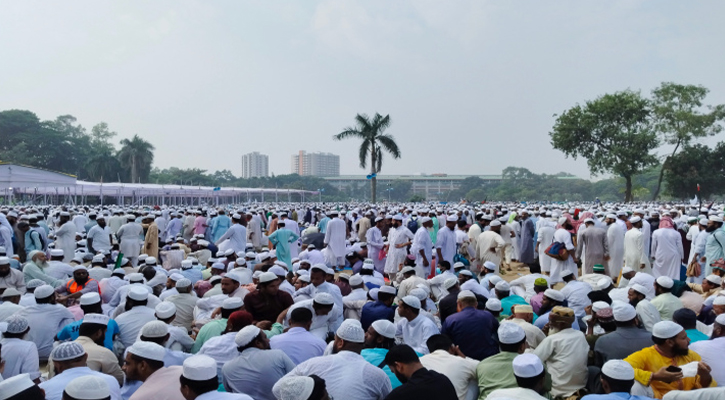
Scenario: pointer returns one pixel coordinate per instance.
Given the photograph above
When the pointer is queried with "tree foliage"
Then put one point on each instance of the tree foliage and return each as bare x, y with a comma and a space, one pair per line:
696, 164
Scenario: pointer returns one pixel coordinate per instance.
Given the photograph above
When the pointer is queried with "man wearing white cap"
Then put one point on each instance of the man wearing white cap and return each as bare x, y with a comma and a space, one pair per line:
19, 354
236, 234
593, 245
326, 315
90, 304
20, 387
46, 318
257, 367
711, 350
136, 316
446, 240
617, 379
298, 343
635, 254
37, 267
409, 282
346, 373
70, 362
715, 245
667, 251
129, 238
422, 248
216, 327
145, 362
91, 335
399, 238
615, 243
671, 349
65, 236
470, 328
87, 388
374, 239
627, 339
199, 381
99, 237
185, 301
648, 314
496, 372
413, 327
11, 277
665, 302
444, 358
335, 233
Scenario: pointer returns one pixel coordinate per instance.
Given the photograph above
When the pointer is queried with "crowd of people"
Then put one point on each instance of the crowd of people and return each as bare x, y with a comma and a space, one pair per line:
303, 301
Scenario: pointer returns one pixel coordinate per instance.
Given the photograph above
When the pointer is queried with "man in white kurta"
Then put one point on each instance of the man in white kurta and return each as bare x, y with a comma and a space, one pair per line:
65, 238
559, 268
129, 236
335, 238
635, 256
667, 251
398, 238
422, 248
615, 239
375, 242
544, 239
490, 245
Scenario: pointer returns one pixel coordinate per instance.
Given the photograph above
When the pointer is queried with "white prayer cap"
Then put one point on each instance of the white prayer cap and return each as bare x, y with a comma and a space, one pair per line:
166, 309
495, 223
294, 388
703, 221
407, 269
720, 319
98, 258
90, 298
67, 351
356, 280
267, 277
142, 257
135, 277
321, 267
89, 387
715, 218
99, 319
217, 265
279, 270
200, 368
714, 279
176, 277
16, 324
490, 266
665, 281
378, 219
154, 329
619, 370
510, 333
621, 212
183, 283
598, 305
494, 280
246, 335
56, 252
423, 220
527, 365
398, 217
554, 295
562, 221
639, 289
411, 301
148, 350
611, 216
604, 283
493, 304
137, 293
10, 292
450, 282
186, 264
635, 219
719, 301
627, 270
503, 286
386, 328
466, 272
452, 218
666, 329
4, 260
150, 260
419, 293
232, 303
324, 299
43, 292
390, 290
622, 311
18, 384
34, 283
463, 294
351, 331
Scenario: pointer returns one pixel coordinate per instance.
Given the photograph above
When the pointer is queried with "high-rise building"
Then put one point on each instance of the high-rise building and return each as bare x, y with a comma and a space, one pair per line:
255, 165
316, 164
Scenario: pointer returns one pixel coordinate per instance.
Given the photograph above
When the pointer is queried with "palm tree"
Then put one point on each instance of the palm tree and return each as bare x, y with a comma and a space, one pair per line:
374, 141
137, 155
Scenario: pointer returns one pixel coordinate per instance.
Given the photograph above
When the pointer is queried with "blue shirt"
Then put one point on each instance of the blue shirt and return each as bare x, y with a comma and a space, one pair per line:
473, 331
376, 357
614, 396
695, 336
70, 332
510, 301
373, 311
192, 274
544, 319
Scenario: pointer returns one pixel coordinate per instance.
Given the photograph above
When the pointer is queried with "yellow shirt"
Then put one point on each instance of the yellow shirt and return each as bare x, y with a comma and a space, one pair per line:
648, 360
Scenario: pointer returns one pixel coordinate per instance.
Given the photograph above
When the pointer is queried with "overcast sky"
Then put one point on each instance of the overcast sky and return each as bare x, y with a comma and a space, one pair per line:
471, 86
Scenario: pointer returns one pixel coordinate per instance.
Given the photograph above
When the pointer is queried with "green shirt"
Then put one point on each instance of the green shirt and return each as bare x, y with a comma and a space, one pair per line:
496, 372
211, 329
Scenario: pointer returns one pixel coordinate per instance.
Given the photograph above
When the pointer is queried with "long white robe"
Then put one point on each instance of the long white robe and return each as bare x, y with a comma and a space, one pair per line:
65, 239
667, 252
545, 238
615, 238
129, 236
559, 267
634, 252
335, 237
421, 241
375, 243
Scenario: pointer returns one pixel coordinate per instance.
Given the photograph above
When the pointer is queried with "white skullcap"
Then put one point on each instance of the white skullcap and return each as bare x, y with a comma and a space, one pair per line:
183, 283
10, 292
490, 266
458, 265
619, 370
232, 303
634, 220
666, 329
135, 277
89, 387
406, 270
450, 282
218, 265
148, 350
176, 277
279, 270
43, 292
4, 260
493, 304
240, 261
294, 388
56, 252
18, 384
503, 286
719, 301
452, 218
703, 221
391, 290
715, 218
464, 294
351, 331
423, 220
398, 217
90, 298
154, 329
419, 293
604, 283
611, 216
138, 294
599, 305
411, 301
510, 333
18, 324
200, 368
324, 299
494, 280
99, 319
386, 328
98, 258
714, 279
527, 366
165, 309
720, 319
627, 270
639, 289
622, 311
268, 276
554, 295
562, 221
34, 283
495, 223
186, 264
356, 280
665, 281
67, 351
246, 335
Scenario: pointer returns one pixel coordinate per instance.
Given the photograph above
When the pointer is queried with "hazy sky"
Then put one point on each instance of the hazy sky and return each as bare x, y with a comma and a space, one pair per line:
471, 86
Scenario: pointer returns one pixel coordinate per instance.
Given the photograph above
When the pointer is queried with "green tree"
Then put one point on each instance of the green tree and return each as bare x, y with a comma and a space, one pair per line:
696, 165
614, 133
374, 141
681, 118
136, 155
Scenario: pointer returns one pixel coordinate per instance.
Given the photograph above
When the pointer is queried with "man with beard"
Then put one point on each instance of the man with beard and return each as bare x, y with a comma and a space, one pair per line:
418, 382
646, 312
711, 350
99, 237
77, 287
91, 335
36, 269
652, 365
11, 277
257, 367
379, 339
399, 238
267, 301
615, 243
347, 374
715, 245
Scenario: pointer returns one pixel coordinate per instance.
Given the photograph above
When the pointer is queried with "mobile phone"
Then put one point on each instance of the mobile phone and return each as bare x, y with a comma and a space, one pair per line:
672, 368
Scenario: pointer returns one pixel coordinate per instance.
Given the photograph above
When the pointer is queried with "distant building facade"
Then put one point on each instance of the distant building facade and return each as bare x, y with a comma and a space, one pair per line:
316, 164
255, 165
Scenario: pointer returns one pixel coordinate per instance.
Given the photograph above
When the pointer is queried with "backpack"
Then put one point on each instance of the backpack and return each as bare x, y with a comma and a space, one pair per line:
40, 238
413, 225
557, 250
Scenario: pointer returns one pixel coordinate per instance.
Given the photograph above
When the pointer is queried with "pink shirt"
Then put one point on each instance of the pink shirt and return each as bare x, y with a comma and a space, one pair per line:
161, 385
199, 227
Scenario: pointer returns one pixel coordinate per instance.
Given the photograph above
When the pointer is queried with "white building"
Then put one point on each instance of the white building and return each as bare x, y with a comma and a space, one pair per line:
316, 164
255, 165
